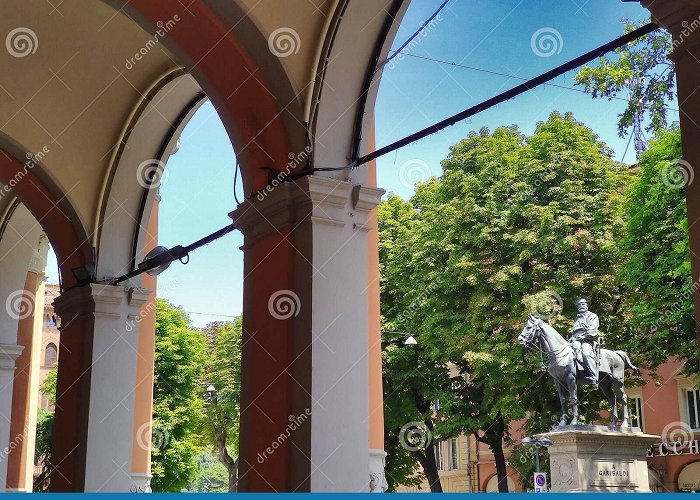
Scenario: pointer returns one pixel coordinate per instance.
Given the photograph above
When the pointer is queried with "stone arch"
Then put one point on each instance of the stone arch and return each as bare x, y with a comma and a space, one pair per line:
263, 131
29, 181
132, 181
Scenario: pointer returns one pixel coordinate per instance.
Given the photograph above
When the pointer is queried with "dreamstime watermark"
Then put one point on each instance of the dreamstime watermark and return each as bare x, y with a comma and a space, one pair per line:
415, 436
294, 161
415, 304
149, 308
284, 42
295, 422
688, 29
151, 174
546, 42
425, 30
20, 304
414, 171
676, 307
546, 304
283, 304
676, 174
33, 159
163, 29
152, 438
15, 443
21, 42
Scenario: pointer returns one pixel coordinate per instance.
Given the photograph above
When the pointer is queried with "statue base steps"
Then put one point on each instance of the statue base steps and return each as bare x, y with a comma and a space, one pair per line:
588, 458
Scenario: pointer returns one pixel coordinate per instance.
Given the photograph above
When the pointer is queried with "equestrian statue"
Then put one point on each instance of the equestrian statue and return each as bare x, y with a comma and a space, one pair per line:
580, 359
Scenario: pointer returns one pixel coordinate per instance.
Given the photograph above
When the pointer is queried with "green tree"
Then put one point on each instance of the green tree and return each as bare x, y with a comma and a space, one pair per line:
212, 476
657, 273
177, 402
512, 217
642, 73
222, 405
44, 435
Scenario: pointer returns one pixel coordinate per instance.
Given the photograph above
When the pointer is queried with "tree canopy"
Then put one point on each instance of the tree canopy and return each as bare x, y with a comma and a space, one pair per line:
642, 73
512, 218
177, 399
659, 285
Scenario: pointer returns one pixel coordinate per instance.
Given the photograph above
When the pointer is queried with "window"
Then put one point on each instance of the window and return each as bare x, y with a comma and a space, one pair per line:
50, 355
438, 455
693, 408
452, 455
436, 405
635, 409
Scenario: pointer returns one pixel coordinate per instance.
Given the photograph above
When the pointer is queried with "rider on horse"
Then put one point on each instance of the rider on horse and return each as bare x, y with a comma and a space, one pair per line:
584, 339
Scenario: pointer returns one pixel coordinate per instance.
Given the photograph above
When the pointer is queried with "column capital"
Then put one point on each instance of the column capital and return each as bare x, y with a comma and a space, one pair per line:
97, 298
312, 198
8, 354
38, 263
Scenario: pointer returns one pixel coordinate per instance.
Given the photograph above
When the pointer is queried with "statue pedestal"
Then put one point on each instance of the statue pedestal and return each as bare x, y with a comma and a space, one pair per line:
597, 458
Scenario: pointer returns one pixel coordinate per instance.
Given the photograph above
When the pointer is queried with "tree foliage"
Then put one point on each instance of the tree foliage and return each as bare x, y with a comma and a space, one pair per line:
512, 217
177, 402
657, 273
641, 72
222, 408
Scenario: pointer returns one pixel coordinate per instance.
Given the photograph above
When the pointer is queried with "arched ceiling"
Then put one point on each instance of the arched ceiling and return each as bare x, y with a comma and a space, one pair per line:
73, 93
75, 71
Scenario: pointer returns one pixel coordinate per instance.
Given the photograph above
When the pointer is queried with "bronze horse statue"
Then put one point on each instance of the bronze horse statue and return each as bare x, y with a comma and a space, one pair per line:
563, 368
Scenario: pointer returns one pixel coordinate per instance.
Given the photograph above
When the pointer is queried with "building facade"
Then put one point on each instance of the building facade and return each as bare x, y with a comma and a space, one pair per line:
667, 405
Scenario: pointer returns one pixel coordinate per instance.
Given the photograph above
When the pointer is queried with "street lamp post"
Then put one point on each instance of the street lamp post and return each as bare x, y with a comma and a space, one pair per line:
537, 444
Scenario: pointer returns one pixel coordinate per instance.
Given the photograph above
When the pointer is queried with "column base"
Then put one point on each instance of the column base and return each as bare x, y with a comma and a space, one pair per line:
599, 459
377, 479
141, 483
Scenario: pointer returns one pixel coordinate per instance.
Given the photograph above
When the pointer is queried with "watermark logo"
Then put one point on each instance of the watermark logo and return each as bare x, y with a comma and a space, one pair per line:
148, 437
20, 304
162, 29
413, 171
676, 174
546, 42
284, 42
546, 304
284, 304
294, 161
295, 421
415, 436
151, 174
21, 42
32, 161
676, 432
425, 30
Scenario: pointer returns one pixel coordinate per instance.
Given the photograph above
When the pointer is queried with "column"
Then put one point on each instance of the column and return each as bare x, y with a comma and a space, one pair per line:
305, 373
143, 408
377, 455
681, 18
25, 399
96, 387
8, 355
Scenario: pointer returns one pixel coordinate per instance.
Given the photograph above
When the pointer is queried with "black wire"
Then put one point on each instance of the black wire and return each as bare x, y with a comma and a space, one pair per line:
509, 94
410, 38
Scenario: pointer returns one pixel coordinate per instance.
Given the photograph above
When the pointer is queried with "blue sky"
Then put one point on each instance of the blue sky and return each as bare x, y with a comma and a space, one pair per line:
492, 35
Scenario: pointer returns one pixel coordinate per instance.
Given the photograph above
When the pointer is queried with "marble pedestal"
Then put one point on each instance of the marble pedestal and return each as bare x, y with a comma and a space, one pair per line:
596, 458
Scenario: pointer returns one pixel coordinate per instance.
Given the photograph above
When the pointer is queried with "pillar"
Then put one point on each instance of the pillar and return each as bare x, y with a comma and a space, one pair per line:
377, 454
143, 408
25, 392
8, 355
95, 387
681, 18
305, 369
